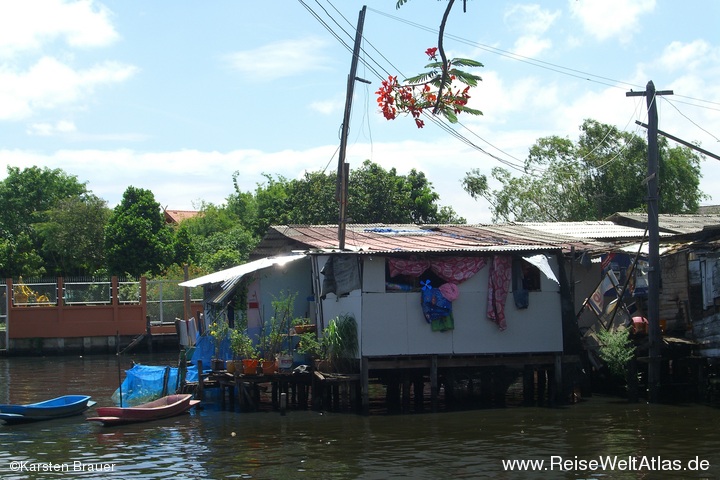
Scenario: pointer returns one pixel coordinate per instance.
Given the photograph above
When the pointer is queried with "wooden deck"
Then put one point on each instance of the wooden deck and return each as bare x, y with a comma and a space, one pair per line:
401, 384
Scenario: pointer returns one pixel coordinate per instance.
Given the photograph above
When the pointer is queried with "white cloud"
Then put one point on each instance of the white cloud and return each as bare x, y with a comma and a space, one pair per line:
27, 25
50, 83
687, 56
327, 107
532, 22
604, 19
287, 58
49, 129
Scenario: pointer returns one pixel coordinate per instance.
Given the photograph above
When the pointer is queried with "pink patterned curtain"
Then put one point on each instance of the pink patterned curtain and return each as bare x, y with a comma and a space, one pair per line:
451, 269
498, 288
457, 269
407, 266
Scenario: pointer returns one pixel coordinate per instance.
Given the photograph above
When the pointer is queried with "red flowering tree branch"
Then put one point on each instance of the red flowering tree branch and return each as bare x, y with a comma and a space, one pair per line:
430, 90
433, 88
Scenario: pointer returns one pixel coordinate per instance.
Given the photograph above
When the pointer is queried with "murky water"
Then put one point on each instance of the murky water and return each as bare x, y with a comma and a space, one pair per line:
645, 440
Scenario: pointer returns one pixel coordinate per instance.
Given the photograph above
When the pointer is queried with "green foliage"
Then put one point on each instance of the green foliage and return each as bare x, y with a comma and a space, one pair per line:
616, 350
137, 239
603, 173
242, 345
73, 235
312, 345
26, 196
67, 230
273, 335
341, 342
375, 195
183, 246
219, 331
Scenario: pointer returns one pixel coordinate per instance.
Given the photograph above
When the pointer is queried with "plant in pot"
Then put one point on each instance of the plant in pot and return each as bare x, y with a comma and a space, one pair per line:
274, 338
302, 325
340, 339
311, 347
244, 351
219, 332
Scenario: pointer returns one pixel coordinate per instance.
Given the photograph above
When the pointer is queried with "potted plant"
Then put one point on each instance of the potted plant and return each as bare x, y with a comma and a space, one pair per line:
340, 340
302, 325
312, 346
219, 332
274, 338
244, 350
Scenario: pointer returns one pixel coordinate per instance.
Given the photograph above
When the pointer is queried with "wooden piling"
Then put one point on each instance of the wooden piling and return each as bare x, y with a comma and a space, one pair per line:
201, 387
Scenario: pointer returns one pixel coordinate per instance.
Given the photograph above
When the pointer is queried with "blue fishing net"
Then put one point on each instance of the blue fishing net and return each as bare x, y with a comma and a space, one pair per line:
144, 383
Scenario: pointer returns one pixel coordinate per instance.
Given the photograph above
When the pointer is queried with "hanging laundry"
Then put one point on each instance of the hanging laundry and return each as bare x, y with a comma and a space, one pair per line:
341, 275
498, 288
436, 308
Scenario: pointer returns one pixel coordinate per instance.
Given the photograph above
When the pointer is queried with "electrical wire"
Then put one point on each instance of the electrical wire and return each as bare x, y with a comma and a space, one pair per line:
672, 104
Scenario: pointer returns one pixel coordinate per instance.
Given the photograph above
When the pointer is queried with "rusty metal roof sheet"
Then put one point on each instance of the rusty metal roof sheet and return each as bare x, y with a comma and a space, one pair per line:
382, 238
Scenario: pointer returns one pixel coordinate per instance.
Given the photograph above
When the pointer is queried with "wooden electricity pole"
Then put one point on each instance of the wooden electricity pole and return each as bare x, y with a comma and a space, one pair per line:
653, 313
344, 168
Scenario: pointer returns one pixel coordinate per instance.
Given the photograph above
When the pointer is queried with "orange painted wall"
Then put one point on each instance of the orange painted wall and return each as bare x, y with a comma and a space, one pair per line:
78, 320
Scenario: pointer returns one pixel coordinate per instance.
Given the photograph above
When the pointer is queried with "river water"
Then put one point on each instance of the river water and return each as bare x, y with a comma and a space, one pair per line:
645, 441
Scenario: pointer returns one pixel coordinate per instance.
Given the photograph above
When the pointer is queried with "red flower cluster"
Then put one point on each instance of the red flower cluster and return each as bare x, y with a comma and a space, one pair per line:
394, 98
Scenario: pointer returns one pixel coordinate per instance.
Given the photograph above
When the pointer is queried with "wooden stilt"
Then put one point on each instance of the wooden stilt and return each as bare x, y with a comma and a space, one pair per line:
434, 384
365, 386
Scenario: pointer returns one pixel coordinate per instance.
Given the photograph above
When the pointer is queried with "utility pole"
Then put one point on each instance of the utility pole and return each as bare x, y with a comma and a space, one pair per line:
653, 313
343, 167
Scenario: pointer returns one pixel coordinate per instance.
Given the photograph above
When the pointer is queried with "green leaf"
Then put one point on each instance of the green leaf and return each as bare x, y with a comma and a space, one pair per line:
466, 62
465, 77
421, 78
471, 111
450, 115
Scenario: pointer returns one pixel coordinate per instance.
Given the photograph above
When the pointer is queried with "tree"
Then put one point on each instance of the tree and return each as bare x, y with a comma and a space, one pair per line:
601, 174
73, 236
375, 195
137, 239
26, 195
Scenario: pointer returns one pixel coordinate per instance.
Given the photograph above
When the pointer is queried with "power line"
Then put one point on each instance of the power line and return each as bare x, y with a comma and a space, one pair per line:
691, 121
602, 80
437, 121
515, 56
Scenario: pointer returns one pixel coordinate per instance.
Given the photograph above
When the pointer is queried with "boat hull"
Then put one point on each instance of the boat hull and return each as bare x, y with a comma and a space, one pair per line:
164, 407
60, 407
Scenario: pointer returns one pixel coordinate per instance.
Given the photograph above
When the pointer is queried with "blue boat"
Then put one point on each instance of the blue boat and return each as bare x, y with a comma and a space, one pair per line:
65, 406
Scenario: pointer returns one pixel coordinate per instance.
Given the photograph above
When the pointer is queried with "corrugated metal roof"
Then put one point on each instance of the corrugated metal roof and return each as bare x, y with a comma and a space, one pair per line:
230, 276
381, 238
599, 229
677, 224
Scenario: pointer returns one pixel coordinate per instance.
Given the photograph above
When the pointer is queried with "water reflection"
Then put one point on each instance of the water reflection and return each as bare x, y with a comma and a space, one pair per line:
212, 443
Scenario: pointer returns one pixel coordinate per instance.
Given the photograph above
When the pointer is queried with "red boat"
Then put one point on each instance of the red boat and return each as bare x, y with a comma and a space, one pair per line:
164, 407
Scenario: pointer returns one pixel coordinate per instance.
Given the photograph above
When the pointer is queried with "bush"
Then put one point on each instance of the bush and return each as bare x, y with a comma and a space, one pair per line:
616, 350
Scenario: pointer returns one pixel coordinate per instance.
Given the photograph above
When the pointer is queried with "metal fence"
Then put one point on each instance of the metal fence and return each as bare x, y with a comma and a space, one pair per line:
165, 298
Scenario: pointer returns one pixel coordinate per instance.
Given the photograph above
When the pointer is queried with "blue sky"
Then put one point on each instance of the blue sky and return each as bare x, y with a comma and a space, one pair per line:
175, 96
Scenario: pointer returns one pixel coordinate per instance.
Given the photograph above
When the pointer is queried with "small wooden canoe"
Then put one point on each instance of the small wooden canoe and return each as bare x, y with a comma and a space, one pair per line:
59, 407
164, 407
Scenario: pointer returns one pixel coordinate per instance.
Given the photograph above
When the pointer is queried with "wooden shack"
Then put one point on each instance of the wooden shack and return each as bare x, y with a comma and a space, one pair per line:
505, 287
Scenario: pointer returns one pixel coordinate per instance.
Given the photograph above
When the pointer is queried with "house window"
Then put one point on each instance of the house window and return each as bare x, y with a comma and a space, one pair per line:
526, 275
400, 282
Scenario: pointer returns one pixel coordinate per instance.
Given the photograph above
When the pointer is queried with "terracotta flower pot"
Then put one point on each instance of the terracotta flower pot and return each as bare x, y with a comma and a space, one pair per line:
250, 366
269, 367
